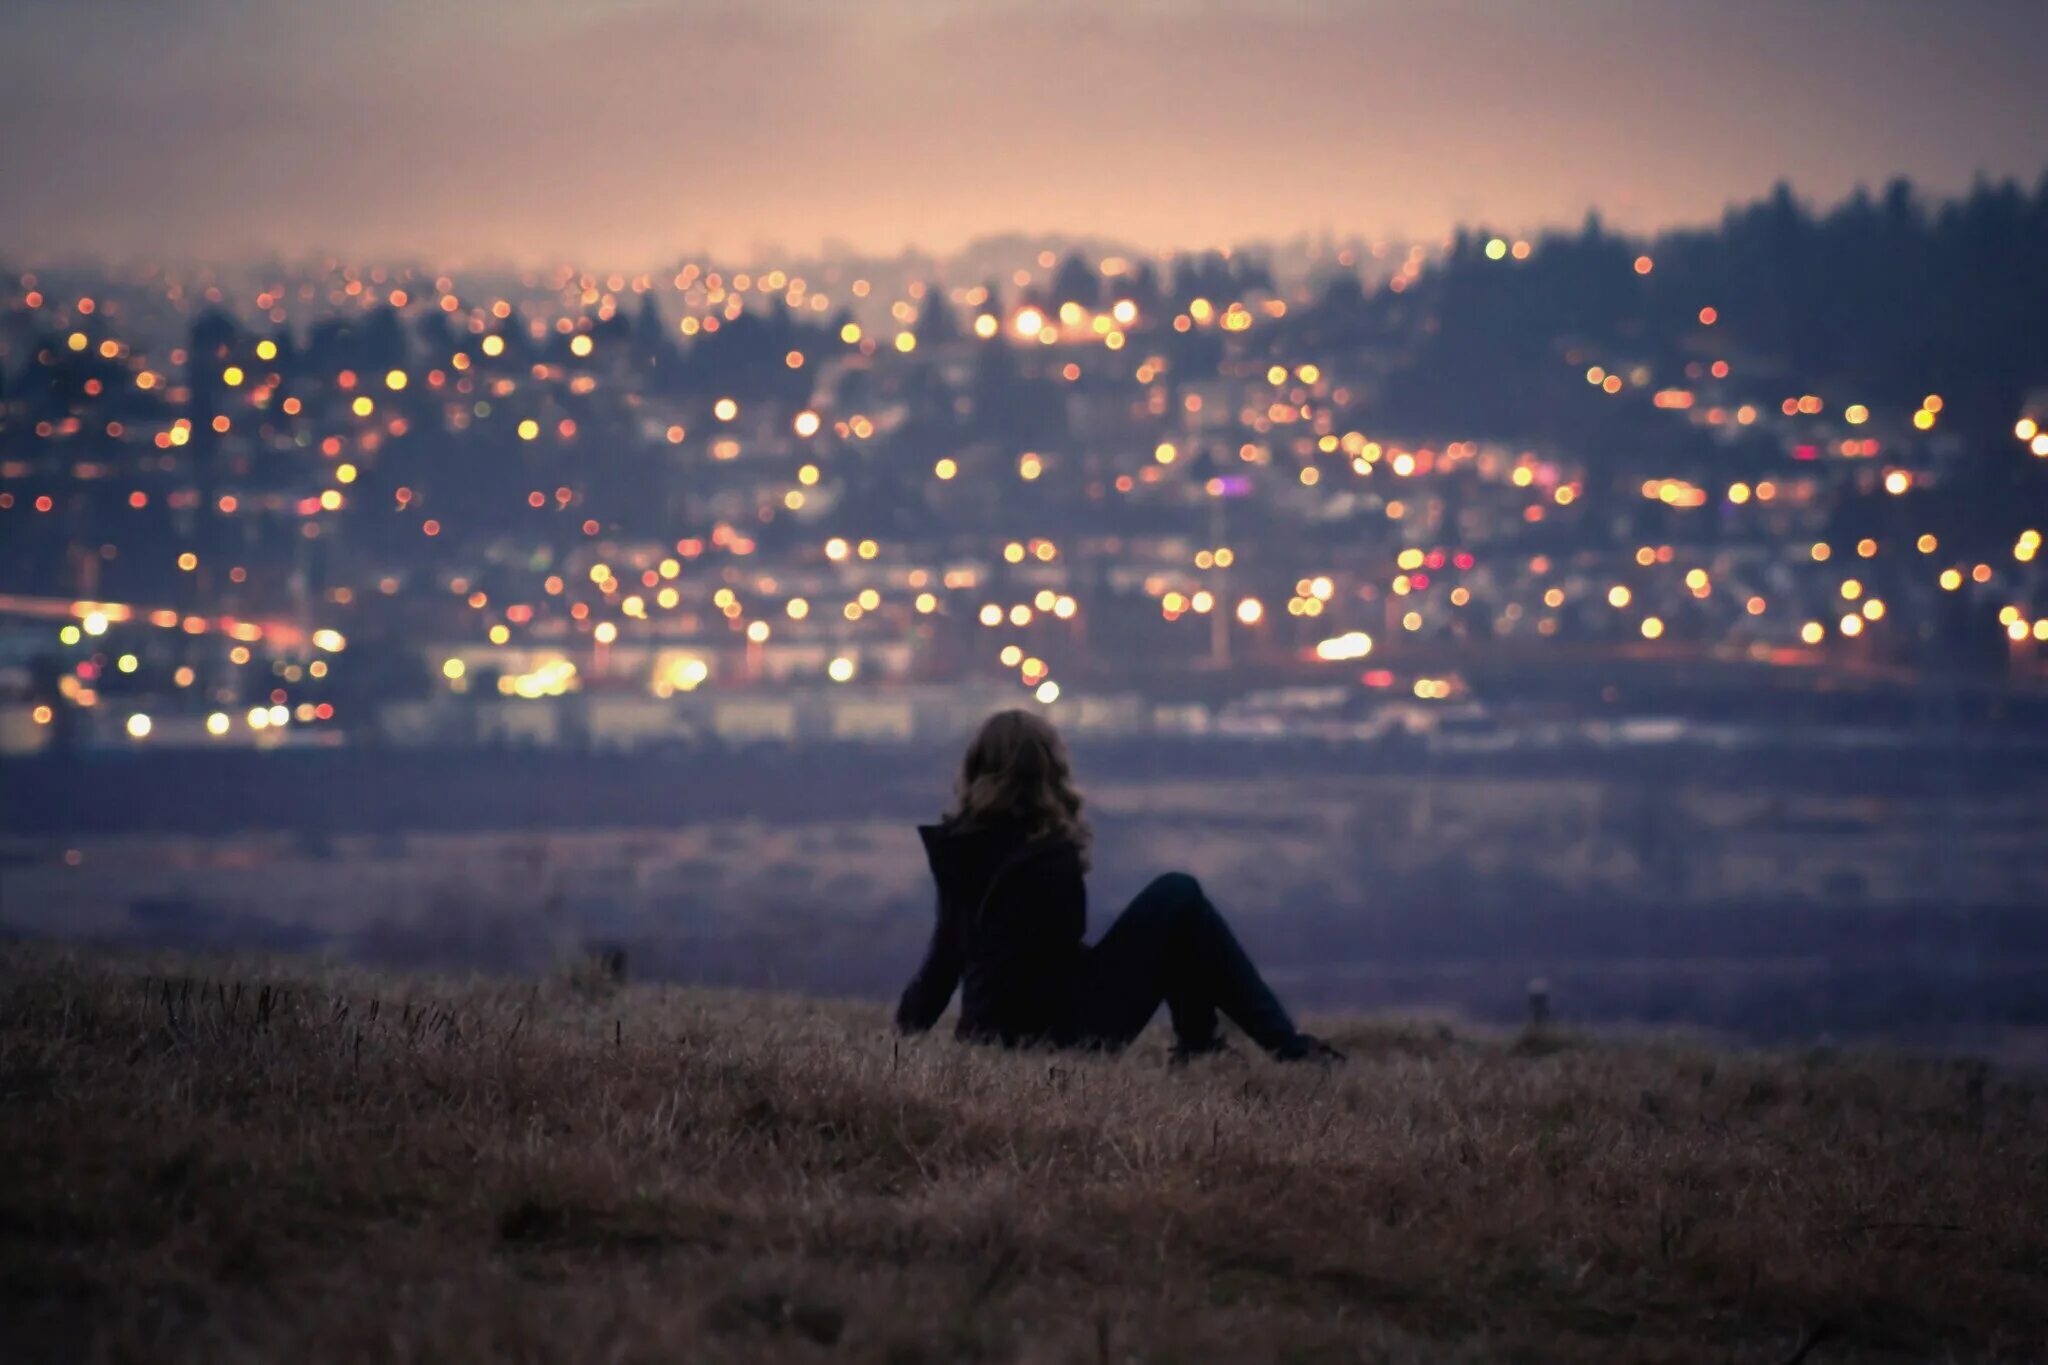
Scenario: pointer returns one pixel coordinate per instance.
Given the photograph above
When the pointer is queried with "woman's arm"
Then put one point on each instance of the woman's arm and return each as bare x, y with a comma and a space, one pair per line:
931, 990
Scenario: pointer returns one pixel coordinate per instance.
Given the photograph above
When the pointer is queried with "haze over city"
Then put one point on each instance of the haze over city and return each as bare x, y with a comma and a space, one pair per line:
622, 133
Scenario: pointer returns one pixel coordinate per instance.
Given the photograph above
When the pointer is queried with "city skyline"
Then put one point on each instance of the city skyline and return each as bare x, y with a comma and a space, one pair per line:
631, 132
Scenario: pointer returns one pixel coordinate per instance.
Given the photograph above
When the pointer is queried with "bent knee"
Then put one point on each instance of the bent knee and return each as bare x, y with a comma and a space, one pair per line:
1178, 887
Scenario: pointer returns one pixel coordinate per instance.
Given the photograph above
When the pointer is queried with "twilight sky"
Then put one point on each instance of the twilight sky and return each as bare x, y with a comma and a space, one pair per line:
619, 133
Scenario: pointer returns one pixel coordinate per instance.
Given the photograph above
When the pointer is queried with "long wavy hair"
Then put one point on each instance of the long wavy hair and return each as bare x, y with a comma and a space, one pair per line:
1016, 769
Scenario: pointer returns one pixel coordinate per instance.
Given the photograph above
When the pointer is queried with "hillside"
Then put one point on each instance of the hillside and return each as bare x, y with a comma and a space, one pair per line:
266, 1161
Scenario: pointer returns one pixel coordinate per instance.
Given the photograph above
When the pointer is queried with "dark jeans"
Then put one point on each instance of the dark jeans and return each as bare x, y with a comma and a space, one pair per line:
1171, 945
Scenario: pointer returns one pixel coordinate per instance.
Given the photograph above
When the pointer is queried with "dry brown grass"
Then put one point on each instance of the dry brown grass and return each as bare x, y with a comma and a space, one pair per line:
274, 1161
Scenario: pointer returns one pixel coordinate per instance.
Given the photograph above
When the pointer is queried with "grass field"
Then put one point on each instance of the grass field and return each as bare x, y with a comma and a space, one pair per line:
274, 1160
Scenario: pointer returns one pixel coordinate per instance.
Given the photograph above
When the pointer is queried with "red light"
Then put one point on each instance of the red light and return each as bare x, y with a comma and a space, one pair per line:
1377, 677
1805, 452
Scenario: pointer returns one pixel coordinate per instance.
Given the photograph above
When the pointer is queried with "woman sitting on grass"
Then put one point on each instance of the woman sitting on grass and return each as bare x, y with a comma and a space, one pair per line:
1008, 861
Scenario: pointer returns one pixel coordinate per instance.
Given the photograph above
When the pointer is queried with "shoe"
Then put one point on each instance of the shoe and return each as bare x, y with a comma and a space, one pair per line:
1306, 1047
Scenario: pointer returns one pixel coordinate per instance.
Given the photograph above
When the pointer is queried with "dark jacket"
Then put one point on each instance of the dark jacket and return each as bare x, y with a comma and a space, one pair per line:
1012, 913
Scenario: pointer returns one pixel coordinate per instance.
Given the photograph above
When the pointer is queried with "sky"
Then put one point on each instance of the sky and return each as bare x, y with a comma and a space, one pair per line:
622, 133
